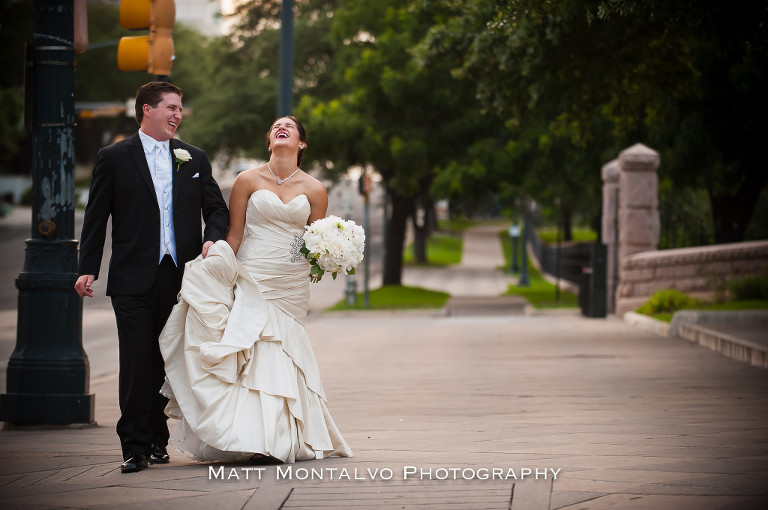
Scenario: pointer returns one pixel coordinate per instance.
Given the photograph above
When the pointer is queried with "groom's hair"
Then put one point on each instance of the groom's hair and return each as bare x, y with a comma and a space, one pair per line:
152, 93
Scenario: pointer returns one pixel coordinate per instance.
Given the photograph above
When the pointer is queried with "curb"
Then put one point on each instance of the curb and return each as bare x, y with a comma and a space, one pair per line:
691, 325
704, 317
647, 323
728, 345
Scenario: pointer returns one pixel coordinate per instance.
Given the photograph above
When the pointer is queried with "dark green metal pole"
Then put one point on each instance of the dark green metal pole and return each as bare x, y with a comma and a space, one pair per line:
48, 372
523, 281
514, 234
285, 96
559, 260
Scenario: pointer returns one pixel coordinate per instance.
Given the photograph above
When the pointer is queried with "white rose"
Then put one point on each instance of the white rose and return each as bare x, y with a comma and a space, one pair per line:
335, 245
182, 155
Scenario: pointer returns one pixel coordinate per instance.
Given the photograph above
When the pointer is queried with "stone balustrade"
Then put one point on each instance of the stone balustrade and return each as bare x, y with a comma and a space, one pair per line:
700, 272
630, 229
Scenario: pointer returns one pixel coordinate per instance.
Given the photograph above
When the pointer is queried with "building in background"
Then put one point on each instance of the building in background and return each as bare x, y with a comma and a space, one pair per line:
202, 15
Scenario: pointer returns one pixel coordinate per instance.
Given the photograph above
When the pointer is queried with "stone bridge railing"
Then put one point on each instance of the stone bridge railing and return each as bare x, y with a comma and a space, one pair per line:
630, 230
700, 272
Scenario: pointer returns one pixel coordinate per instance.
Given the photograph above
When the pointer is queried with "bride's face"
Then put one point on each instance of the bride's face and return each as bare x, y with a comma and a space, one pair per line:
284, 134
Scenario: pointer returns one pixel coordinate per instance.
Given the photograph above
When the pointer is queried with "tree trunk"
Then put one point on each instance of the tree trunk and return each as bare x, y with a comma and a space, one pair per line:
393, 257
432, 216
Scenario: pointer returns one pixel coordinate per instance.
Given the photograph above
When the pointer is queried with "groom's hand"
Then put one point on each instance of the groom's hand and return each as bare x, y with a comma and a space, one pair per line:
206, 245
83, 285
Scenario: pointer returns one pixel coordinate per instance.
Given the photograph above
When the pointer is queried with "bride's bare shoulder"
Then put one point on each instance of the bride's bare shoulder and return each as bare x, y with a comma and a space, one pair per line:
250, 179
315, 185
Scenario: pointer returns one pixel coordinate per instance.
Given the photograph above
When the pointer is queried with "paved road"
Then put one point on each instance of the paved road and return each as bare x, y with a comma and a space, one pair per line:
625, 420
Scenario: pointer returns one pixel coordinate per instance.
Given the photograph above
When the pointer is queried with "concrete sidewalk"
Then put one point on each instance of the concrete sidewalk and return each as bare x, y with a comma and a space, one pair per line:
544, 411
476, 275
629, 419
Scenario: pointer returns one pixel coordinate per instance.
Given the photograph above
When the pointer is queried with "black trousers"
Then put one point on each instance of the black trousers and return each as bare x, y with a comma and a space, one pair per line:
140, 319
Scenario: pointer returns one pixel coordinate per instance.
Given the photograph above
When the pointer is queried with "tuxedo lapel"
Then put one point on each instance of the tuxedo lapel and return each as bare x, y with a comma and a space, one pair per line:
136, 151
177, 174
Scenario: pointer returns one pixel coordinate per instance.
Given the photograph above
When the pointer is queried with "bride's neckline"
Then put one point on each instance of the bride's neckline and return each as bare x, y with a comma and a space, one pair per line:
278, 196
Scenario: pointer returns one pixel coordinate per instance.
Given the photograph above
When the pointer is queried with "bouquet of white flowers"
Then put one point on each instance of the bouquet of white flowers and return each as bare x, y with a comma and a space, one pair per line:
333, 245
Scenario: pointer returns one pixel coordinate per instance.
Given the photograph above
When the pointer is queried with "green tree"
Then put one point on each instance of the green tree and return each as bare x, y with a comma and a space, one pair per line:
237, 100
97, 77
15, 32
545, 69
709, 122
582, 79
405, 118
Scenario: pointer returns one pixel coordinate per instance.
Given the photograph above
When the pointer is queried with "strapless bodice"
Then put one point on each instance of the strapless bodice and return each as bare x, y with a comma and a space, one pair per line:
270, 249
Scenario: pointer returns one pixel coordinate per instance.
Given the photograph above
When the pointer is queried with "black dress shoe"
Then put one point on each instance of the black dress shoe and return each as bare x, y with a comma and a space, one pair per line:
135, 462
264, 460
158, 455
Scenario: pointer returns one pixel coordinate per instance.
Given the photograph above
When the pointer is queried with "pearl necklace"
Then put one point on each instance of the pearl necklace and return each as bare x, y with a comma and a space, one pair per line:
280, 181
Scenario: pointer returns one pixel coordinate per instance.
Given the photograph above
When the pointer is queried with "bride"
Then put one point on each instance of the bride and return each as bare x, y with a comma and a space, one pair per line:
241, 375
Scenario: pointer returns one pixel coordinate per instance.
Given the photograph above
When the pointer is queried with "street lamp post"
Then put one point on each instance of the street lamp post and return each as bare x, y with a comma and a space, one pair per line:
48, 371
558, 252
285, 95
523, 281
514, 234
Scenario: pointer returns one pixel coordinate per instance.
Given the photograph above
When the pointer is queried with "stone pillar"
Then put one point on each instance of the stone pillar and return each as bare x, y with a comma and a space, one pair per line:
610, 230
638, 209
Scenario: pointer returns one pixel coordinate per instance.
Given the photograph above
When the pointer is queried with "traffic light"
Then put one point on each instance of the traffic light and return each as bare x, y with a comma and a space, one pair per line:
153, 53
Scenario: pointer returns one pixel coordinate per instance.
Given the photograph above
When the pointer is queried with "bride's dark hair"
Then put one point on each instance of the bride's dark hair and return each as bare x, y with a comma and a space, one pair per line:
302, 135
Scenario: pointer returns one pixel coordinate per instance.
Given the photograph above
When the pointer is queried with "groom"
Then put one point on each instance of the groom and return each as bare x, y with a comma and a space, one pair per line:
155, 188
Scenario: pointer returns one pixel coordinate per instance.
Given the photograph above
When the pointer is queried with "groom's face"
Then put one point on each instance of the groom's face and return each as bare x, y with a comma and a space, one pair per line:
162, 121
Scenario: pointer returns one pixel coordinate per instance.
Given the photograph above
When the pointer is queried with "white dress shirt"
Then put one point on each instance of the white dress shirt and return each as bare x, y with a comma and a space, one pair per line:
158, 156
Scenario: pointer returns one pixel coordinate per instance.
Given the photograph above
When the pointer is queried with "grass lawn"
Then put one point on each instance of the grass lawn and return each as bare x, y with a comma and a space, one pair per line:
446, 250
442, 250
755, 304
455, 225
580, 234
541, 293
397, 297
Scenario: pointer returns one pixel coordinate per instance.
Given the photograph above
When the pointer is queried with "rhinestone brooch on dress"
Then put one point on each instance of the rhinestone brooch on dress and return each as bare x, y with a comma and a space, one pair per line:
296, 248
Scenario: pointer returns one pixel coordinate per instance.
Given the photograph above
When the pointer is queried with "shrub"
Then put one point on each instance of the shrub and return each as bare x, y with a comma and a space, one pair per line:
750, 287
667, 301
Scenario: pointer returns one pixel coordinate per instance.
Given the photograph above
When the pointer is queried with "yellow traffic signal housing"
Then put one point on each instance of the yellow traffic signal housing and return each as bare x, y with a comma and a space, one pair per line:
161, 50
135, 14
155, 52
132, 53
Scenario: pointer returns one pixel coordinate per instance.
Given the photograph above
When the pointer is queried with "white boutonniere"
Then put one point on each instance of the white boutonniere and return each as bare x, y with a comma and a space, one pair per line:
181, 156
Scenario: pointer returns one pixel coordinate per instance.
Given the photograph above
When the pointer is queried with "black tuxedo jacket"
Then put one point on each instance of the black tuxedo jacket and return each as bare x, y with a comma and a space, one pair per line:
122, 187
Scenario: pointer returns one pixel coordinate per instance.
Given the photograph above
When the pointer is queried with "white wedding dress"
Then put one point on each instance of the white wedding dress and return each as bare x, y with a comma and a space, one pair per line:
241, 374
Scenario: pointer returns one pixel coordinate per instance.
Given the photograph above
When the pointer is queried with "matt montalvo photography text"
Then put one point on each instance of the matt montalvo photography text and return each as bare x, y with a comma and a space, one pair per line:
290, 472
